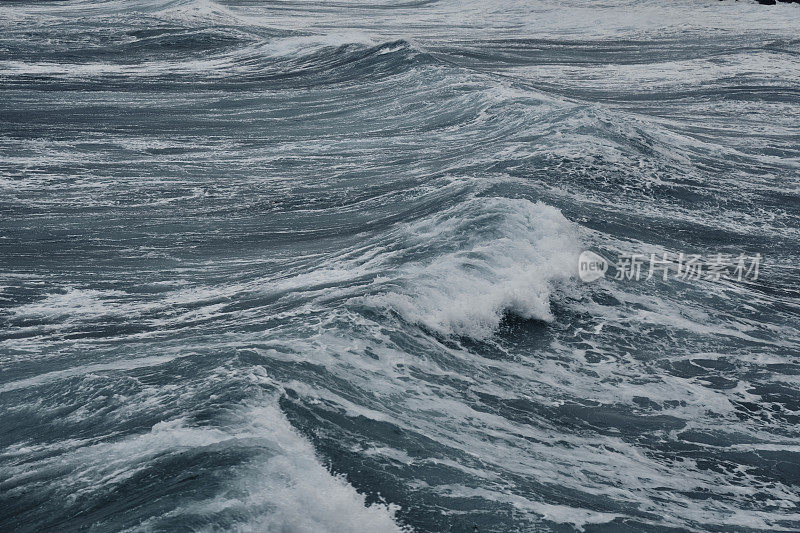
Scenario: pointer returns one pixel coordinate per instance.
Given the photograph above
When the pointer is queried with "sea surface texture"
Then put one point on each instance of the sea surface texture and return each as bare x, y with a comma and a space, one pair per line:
305, 266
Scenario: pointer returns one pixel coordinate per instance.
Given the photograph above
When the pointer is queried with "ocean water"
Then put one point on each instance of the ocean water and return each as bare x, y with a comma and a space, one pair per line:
307, 266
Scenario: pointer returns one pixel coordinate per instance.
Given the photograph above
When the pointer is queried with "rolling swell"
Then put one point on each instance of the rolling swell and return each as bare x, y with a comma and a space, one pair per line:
309, 268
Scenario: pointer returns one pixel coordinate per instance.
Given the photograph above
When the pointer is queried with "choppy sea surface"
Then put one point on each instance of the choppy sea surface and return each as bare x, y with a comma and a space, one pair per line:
308, 266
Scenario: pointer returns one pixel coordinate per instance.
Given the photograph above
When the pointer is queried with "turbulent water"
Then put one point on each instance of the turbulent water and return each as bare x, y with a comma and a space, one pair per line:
311, 266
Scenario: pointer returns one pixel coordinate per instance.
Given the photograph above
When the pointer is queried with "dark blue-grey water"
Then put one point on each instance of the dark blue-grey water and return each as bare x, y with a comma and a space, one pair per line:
308, 266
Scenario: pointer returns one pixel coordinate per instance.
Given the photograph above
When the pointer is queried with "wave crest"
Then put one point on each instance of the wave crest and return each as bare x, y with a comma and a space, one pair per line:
501, 257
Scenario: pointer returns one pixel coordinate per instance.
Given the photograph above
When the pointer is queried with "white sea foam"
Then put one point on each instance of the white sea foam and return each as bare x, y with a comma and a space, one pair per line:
560, 514
285, 488
289, 490
503, 256
73, 302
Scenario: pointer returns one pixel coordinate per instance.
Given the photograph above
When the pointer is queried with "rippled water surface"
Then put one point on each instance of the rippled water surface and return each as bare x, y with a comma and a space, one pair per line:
311, 266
